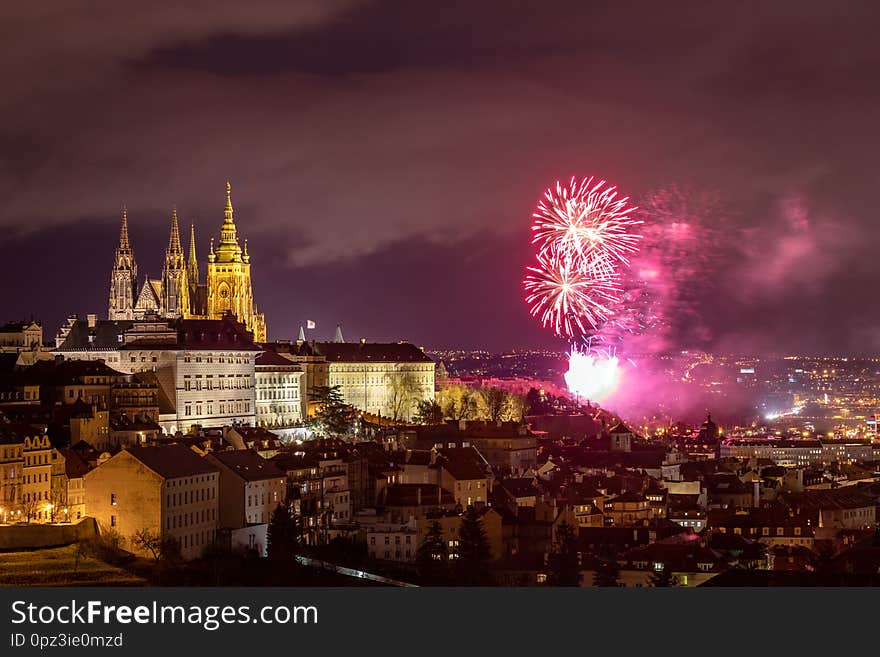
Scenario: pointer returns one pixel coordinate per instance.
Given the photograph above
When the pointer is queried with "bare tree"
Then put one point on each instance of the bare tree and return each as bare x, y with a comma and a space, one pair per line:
57, 501
29, 504
516, 408
495, 401
458, 402
403, 393
147, 541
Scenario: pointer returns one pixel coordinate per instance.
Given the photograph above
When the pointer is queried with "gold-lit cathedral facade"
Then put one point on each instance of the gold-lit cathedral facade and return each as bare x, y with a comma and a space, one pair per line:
179, 293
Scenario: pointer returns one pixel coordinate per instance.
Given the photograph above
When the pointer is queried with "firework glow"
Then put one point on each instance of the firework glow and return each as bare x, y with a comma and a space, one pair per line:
592, 377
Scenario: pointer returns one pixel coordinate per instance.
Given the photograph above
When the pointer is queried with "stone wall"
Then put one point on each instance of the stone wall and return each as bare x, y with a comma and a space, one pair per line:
17, 537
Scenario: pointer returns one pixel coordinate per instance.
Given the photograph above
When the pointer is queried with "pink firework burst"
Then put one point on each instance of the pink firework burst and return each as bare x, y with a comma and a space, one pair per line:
587, 222
571, 297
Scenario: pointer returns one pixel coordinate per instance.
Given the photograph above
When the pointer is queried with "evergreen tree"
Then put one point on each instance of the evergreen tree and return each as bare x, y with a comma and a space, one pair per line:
432, 557
282, 535
564, 561
333, 417
473, 554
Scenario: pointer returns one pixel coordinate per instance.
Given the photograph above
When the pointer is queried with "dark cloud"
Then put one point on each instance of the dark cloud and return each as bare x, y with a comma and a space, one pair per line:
376, 145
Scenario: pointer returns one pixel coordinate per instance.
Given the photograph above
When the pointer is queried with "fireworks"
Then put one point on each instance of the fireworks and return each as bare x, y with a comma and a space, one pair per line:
583, 235
582, 232
586, 222
590, 376
568, 298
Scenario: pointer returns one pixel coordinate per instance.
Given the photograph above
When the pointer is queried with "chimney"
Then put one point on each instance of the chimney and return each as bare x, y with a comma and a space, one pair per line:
92, 320
756, 498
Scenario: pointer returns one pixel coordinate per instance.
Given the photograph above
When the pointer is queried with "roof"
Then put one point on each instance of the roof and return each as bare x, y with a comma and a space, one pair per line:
59, 372
17, 327
463, 463
620, 427
172, 461
272, 359
628, 497
225, 333
104, 335
359, 352
520, 486
75, 466
247, 464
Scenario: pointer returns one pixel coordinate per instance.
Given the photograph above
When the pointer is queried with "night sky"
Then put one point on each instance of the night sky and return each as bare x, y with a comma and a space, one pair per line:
385, 157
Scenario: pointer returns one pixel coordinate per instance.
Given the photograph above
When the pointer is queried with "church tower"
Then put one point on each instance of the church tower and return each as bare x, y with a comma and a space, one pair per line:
192, 265
123, 277
228, 281
175, 287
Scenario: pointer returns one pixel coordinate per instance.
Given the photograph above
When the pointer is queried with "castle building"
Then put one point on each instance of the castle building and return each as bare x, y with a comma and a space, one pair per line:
381, 379
179, 292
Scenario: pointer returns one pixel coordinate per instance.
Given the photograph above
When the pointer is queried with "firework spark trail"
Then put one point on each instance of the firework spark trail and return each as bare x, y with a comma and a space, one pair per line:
583, 235
567, 298
587, 222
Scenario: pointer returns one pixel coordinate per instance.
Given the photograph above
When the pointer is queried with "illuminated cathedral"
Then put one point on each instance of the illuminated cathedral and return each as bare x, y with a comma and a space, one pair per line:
179, 293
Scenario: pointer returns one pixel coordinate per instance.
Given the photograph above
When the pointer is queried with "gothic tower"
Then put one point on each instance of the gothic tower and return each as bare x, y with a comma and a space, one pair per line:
192, 266
123, 277
175, 287
228, 281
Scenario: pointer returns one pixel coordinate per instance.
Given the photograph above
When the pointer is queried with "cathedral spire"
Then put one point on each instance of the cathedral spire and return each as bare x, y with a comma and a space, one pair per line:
123, 231
228, 250
227, 213
193, 264
174, 239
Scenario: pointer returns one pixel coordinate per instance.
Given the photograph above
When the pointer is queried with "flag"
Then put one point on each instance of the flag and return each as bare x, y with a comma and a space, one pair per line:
310, 324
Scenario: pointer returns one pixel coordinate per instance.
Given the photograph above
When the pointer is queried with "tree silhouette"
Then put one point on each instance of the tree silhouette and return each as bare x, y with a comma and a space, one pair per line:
432, 557
333, 416
564, 561
473, 554
282, 536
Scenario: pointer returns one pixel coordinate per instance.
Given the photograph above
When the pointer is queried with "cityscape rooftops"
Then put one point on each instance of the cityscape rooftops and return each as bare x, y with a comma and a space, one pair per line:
171, 461
247, 464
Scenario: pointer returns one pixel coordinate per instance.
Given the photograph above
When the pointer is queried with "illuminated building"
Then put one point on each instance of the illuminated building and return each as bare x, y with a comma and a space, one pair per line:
277, 389
204, 368
383, 379
169, 491
20, 336
179, 293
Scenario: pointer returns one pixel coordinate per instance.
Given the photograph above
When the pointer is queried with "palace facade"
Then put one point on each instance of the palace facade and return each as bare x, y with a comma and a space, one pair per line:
179, 293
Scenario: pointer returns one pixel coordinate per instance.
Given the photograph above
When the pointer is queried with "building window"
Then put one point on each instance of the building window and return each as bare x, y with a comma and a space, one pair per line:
112, 499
